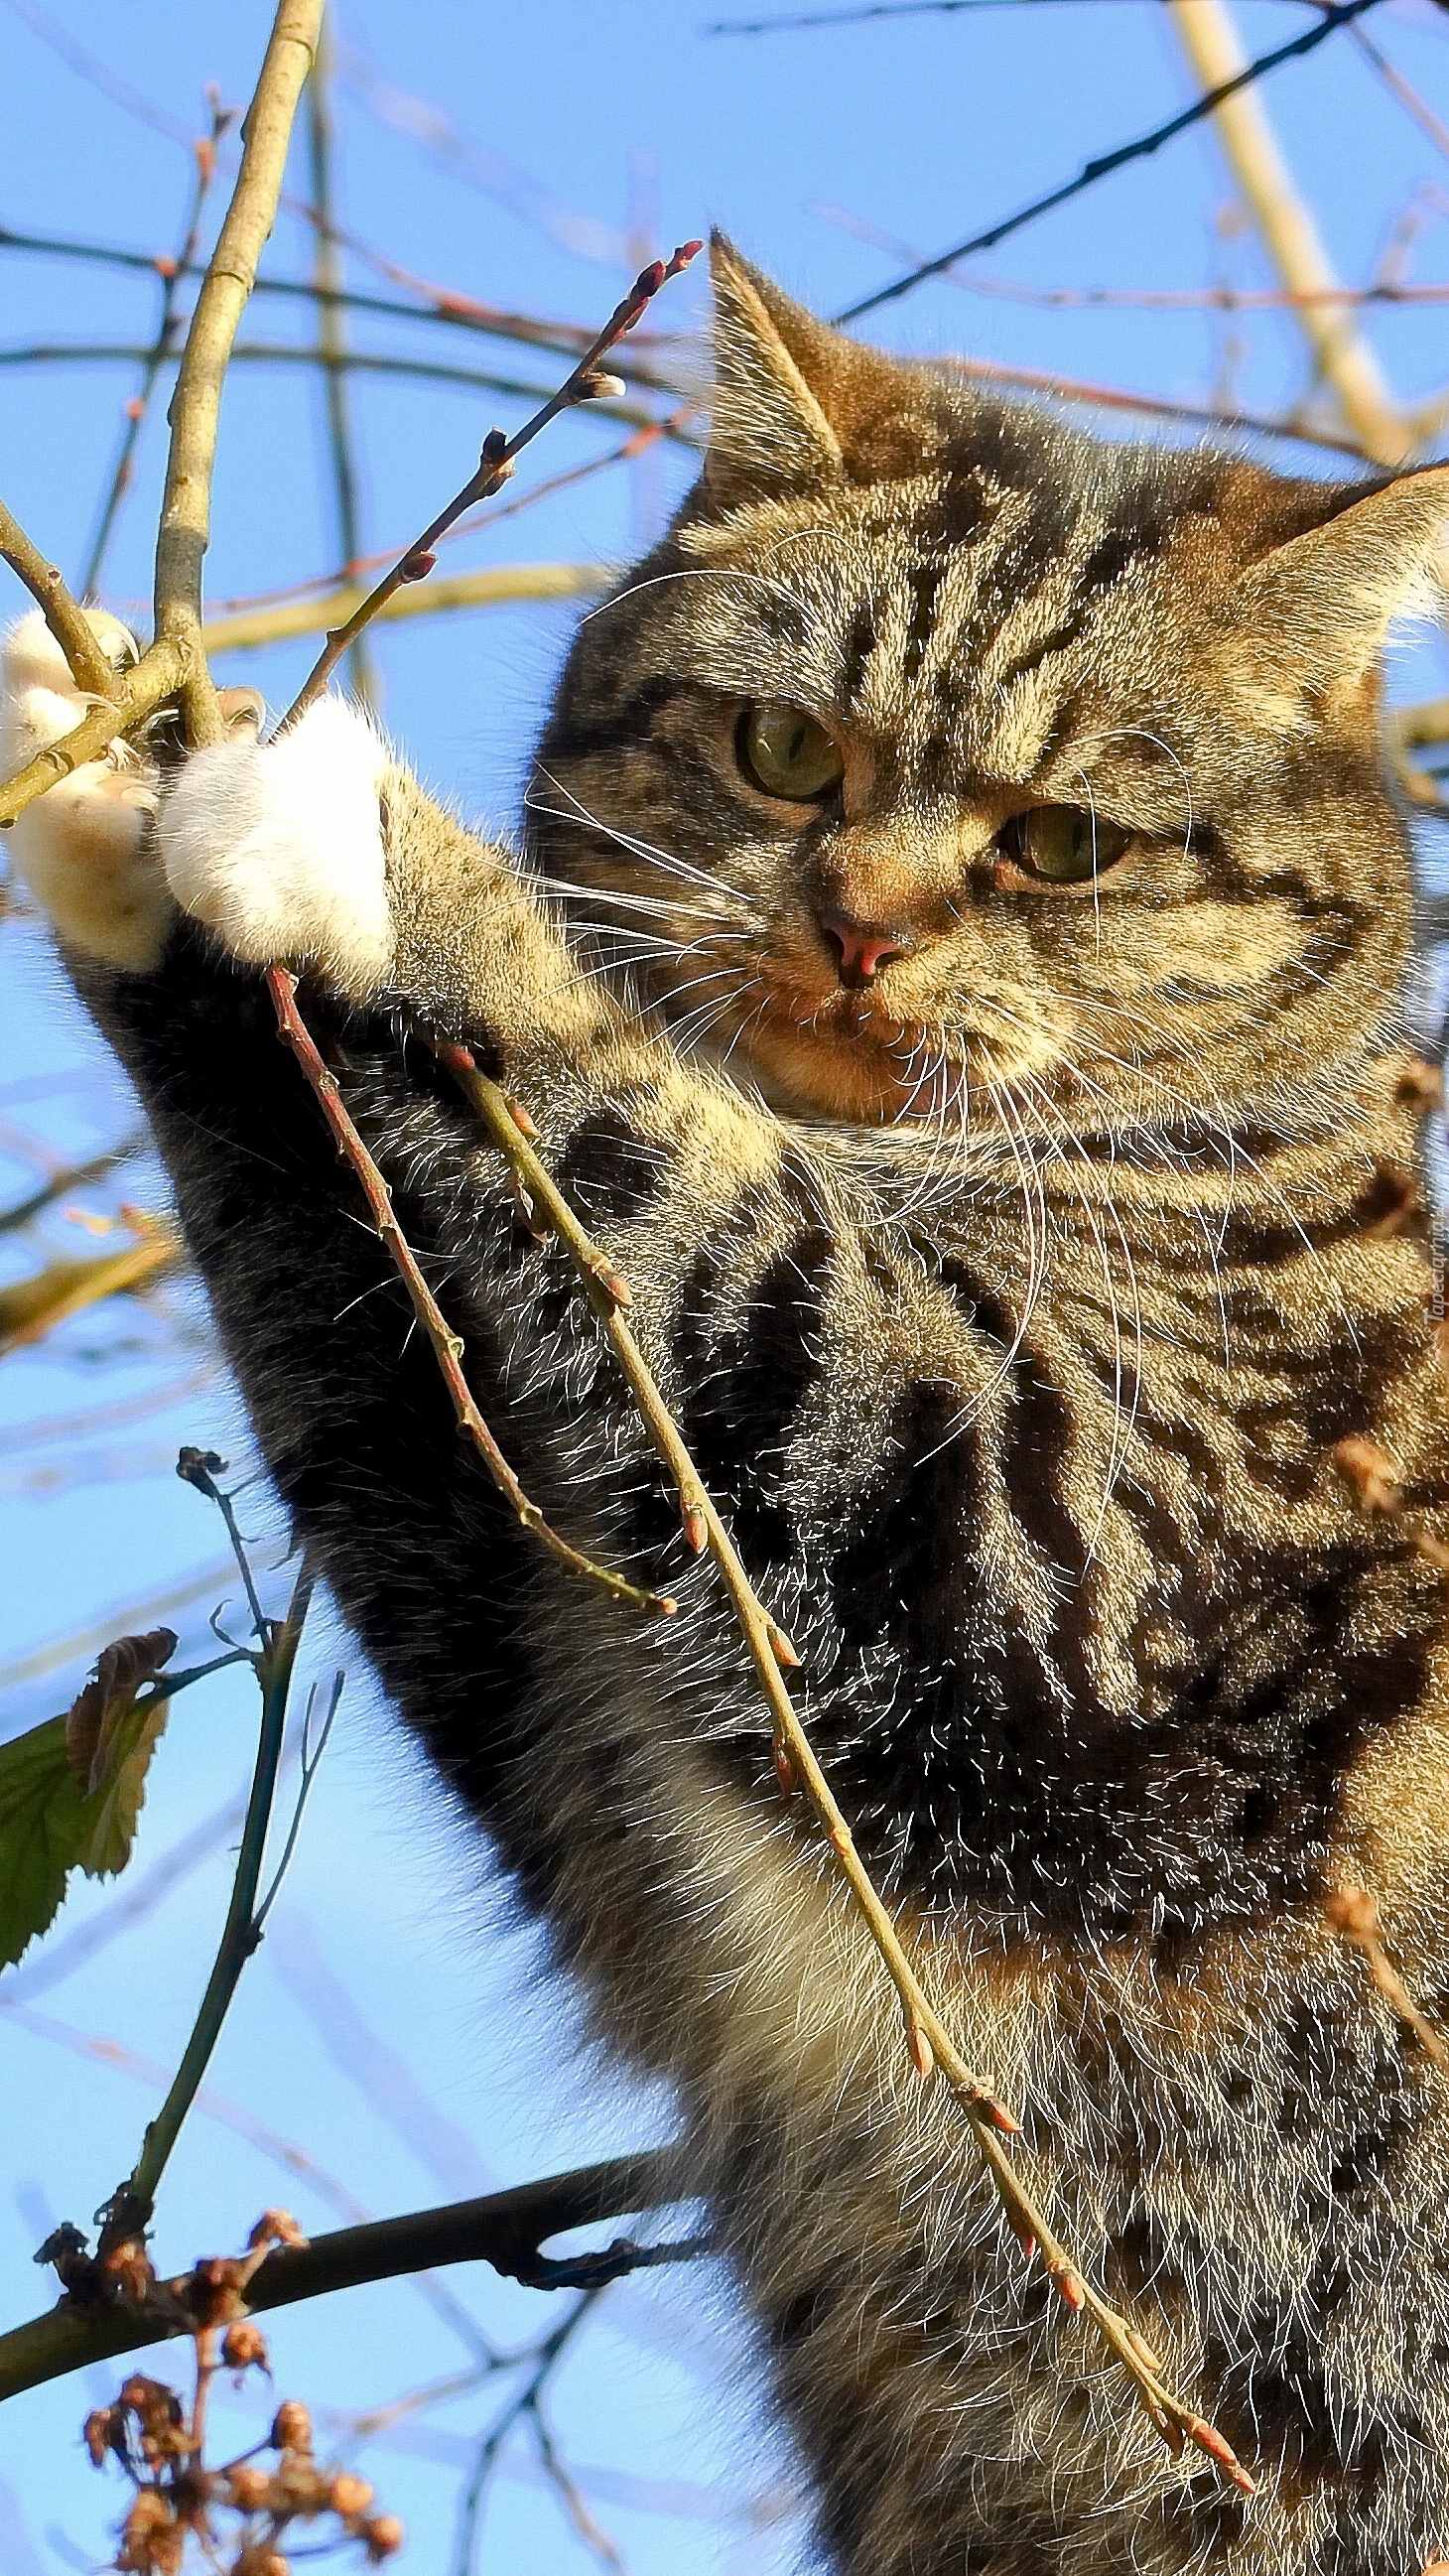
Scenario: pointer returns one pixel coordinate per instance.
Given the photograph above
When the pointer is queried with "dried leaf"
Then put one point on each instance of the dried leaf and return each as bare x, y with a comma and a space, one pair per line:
72, 1789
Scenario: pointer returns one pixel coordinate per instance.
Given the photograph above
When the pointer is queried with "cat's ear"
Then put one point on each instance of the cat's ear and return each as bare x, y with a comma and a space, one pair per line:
774, 368
1322, 602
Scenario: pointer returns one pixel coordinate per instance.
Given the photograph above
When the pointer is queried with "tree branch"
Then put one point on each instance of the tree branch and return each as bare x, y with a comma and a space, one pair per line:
583, 384
506, 2229
1333, 18
928, 2041
332, 336
1344, 357
196, 404
129, 2208
447, 1348
68, 622
271, 625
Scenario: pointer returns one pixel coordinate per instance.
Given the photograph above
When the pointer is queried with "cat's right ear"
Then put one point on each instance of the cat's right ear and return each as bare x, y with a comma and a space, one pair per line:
774, 368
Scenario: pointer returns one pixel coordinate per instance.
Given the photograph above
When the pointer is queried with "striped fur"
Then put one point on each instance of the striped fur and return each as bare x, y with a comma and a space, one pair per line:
1013, 1306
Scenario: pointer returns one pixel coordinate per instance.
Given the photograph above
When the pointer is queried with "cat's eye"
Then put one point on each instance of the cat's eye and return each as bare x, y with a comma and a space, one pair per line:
785, 752
1063, 843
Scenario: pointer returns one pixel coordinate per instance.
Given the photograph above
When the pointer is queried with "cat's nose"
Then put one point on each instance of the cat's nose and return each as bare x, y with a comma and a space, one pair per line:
862, 947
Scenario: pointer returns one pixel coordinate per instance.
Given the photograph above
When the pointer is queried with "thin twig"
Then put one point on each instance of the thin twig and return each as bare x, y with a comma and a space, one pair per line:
1102, 167
332, 338
292, 353
1404, 91
196, 404
928, 2041
130, 2206
447, 1348
67, 621
582, 384
171, 272
435, 304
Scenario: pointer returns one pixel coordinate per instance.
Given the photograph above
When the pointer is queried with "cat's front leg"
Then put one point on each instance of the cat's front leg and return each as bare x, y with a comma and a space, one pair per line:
84, 849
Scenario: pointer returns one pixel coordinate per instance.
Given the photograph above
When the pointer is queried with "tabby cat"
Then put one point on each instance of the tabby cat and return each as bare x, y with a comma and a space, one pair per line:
954, 965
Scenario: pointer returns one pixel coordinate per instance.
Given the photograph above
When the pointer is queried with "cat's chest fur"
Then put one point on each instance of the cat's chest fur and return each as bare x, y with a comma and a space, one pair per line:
1104, 1627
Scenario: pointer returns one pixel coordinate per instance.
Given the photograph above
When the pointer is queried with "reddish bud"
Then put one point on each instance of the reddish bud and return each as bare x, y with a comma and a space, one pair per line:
275, 2227
291, 2427
164, 264
683, 255
135, 409
100, 2429
1420, 1087
521, 1118
248, 2487
922, 2055
785, 1771
613, 1283
1071, 2286
416, 567
785, 1652
696, 1528
650, 279
1369, 1473
205, 151
1209, 2439
1353, 1913
244, 2347
384, 2536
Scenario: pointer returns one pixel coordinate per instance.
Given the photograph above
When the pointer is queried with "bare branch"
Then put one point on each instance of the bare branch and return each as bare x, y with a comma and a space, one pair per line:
487, 589
1289, 232
196, 404
506, 2229
68, 622
582, 384
332, 337
447, 1348
1332, 19
171, 272
928, 2041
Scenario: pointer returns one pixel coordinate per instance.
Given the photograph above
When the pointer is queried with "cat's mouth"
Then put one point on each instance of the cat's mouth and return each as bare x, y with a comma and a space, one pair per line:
849, 1055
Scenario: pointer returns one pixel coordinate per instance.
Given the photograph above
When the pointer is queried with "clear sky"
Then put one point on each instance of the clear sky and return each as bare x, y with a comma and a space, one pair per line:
390, 2029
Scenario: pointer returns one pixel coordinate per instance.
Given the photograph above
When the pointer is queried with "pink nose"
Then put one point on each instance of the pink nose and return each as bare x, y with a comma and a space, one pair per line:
862, 947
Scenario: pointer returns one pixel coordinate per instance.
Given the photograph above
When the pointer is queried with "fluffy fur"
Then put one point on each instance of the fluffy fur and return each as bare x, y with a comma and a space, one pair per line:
1013, 1300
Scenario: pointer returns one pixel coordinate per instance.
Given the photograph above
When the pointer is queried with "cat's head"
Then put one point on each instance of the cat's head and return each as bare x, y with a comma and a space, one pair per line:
943, 758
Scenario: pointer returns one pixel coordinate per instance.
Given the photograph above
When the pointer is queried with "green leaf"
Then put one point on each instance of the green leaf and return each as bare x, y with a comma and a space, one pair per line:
71, 1790
42, 1826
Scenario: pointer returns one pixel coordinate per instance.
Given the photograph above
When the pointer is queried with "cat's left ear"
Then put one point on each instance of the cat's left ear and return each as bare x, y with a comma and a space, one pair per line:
1323, 602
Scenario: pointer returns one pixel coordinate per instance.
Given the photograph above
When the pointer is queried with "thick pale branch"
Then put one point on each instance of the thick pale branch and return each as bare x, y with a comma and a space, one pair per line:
506, 2229
273, 625
196, 404
1290, 233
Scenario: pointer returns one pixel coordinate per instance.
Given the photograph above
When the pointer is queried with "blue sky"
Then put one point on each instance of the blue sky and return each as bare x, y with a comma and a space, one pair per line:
573, 127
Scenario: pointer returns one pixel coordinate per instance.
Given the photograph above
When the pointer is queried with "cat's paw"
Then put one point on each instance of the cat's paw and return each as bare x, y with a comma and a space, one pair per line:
83, 848
280, 849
